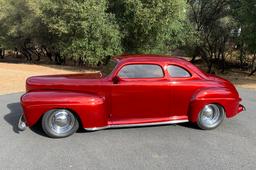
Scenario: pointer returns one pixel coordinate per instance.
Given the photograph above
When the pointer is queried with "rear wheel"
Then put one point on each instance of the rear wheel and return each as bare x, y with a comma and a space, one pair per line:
211, 116
59, 123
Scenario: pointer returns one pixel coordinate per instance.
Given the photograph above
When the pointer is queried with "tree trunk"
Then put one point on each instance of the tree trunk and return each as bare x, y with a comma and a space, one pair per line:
223, 62
253, 64
80, 62
253, 71
241, 57
2, 53
27, 51
59, 60
16, 52
24, 53
37, 52
49, 54
64, 60
200, 51
193, 58
209, 65
38, 57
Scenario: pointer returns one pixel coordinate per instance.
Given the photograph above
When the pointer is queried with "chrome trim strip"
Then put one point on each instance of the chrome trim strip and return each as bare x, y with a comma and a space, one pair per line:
150, 124
137, 125
96, 128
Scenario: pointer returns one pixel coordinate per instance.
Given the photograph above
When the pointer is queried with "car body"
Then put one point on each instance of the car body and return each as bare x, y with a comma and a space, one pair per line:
140, 90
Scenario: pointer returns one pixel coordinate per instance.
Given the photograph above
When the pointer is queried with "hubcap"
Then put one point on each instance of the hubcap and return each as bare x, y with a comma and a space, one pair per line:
210, 115
61, 121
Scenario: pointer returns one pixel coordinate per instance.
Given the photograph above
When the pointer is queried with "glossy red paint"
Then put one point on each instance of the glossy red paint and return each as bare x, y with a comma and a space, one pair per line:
98, 102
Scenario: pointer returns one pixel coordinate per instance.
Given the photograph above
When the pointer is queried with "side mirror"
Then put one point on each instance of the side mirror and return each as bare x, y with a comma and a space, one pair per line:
116, 79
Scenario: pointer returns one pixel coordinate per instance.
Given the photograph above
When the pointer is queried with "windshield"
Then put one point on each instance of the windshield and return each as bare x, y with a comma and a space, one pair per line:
108, 68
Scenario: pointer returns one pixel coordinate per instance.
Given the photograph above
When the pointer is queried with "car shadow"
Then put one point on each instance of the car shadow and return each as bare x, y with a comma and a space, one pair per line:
189, 125
185, 125
15, 111
13, 116
38, 129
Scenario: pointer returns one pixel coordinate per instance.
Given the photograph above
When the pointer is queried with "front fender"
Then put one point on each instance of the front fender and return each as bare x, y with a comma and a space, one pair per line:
89, 108
224, 97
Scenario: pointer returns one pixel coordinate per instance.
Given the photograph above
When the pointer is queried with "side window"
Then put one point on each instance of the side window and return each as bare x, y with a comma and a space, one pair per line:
141, 71
177, 72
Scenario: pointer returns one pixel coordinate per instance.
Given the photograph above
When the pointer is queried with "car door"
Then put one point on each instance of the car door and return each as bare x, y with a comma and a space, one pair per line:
183, 85
141, 95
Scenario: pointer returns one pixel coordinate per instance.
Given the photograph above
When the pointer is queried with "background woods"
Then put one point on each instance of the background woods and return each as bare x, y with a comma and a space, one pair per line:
220, 32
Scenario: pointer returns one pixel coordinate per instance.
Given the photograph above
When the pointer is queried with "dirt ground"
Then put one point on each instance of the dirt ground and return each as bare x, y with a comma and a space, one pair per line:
13, 76
240, 78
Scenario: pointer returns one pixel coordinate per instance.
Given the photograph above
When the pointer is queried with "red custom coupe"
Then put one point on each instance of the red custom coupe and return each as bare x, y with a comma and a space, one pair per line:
130, 91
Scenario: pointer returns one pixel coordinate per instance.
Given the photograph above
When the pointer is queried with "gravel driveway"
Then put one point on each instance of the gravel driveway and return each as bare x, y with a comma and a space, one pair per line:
231, 146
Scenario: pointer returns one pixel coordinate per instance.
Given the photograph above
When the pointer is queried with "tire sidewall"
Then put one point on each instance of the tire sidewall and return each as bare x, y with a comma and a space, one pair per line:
221, 118
49, 132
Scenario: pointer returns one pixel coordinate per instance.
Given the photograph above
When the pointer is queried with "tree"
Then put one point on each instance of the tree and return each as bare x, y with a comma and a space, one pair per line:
20, 25
77, 29
244, 12
150, 26
82, 29
213, 23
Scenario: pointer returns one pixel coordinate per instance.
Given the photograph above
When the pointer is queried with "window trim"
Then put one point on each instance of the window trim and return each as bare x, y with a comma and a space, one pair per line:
191, 75
144, 78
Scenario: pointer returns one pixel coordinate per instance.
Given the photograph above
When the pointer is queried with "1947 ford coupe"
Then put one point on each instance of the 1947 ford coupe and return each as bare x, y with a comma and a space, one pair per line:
136, 90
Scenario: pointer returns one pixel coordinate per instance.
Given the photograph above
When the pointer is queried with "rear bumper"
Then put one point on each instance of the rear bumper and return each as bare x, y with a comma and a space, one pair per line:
241, 108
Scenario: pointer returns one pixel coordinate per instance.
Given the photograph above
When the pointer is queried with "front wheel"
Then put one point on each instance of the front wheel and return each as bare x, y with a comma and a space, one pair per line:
59, 123
211, 116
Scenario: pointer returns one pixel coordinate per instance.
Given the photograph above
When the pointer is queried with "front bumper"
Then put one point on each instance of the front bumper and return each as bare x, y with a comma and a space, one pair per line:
22, 124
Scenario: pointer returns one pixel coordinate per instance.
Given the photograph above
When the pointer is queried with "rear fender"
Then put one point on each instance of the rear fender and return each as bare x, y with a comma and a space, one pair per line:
89, 108
221, 96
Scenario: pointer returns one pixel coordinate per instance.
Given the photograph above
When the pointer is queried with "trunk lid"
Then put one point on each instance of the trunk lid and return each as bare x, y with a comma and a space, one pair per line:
62, 82
224, 82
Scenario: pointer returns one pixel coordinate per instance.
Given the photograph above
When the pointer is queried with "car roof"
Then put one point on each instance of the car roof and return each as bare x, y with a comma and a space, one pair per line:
159, 59
150, 58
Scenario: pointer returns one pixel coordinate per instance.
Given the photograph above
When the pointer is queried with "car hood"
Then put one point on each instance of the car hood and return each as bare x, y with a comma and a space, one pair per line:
62, 82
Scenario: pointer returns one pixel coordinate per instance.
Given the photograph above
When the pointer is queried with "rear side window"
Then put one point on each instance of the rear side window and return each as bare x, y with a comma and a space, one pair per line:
141, 71
177, 72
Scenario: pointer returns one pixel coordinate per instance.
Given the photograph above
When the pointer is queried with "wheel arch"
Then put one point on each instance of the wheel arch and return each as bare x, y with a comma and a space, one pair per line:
220, 96
86, 107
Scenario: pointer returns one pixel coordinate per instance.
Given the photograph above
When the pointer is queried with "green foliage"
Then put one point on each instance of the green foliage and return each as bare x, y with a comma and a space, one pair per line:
18, 22
89, 31
245, 13
82, 29
213, 25
150, 26
211, 19
78, 29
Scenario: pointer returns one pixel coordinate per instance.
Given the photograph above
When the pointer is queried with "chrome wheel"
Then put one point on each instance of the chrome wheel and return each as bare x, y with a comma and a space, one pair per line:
211, 116
59, 123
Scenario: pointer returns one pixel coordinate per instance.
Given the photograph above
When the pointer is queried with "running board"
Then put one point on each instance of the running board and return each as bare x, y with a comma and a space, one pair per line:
137, 125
